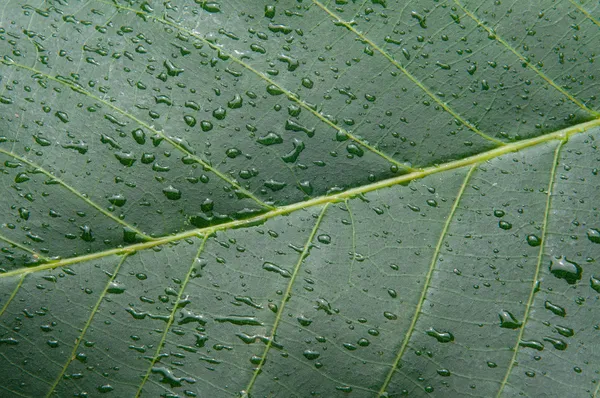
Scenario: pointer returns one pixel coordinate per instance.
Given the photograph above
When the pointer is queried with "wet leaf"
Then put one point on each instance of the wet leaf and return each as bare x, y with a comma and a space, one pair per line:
299, 198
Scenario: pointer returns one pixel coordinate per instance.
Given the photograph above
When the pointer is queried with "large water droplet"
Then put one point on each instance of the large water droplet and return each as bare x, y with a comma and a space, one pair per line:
567, 270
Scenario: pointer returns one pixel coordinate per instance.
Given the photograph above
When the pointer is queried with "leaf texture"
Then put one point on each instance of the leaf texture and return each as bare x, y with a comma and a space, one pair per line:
299, 198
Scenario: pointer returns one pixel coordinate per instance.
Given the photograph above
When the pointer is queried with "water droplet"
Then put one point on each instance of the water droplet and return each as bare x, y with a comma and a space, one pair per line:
444, 372
557, 343
564, 331
536, 345
236, 102
267, 266
557, 310
125, 158
270, 139
504, 225
172, 193
62, 116
311, 354
593, 235
306, 82
441, 336
21, 177
117, 200
391, 316
219, 113
105, 388
595, 283
508, 321
116, 288
189, 120
567, 270
324, 238
533, 240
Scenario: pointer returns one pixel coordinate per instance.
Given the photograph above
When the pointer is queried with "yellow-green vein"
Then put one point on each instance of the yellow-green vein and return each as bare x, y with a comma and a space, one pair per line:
75, 192
284, 300
86, 326
25, 248
538, 268
455, 164
408, 74
588, 15
170, 140
290, 95
13, 294
427, 282
526, 61
171, 318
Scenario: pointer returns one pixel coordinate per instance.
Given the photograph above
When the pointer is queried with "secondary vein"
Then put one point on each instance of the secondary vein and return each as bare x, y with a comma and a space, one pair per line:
409, 75
427, 282
284, 301
538, 268
526, 61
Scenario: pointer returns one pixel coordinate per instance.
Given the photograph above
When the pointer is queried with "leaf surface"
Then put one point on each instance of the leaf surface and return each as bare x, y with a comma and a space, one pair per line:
311, 198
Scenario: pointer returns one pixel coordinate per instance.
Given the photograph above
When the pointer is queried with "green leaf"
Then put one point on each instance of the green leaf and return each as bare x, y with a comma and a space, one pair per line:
299, 198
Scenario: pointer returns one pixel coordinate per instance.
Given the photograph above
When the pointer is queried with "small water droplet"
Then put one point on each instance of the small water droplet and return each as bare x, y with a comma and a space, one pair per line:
533, 240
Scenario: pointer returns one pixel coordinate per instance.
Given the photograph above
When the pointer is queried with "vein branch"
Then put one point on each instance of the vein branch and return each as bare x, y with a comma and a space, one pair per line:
86, 327
529, 304
412, 78
286, 296
22, 247
171, 318
75, 192
428, 277
526, 61
13, 294
587, 14
160, 133
289, 94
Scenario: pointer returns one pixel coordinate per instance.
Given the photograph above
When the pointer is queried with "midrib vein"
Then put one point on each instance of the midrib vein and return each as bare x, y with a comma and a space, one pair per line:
426, 283
538, 268
289, 94
176, 145
74, 192
409, 75
562, 135
526, 61
286, 297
